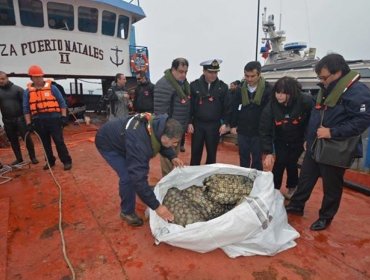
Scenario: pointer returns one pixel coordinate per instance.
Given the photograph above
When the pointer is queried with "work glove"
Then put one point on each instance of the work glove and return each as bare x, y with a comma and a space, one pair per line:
30, 128
64, 120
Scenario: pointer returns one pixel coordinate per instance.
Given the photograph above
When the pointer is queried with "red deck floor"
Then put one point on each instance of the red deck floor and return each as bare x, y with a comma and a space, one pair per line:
101, 246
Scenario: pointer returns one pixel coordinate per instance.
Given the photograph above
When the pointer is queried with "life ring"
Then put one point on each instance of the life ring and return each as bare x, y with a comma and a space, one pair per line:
139, 62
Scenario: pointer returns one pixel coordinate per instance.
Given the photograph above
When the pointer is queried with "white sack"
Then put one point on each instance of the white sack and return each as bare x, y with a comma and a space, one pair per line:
257, 226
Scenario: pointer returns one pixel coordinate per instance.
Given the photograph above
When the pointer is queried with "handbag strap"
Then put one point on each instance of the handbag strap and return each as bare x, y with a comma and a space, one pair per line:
321, 119
322, 116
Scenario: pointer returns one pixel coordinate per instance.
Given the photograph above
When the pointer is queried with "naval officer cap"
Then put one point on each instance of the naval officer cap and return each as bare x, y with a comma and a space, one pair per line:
211, 65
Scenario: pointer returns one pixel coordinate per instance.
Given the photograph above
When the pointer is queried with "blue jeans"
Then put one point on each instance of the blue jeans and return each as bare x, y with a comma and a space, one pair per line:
126, 191
249, 146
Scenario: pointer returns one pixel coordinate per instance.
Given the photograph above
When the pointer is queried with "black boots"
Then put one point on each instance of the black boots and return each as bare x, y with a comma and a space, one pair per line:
132, 219
34, 160
16, 162
67, 166
320, 224
294, 210
46, 167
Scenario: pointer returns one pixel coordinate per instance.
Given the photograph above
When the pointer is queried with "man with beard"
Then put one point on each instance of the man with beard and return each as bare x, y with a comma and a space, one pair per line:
144, 92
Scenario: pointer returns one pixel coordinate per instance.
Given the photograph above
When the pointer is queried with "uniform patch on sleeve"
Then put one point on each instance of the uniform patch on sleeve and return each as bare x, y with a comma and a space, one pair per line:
363, 108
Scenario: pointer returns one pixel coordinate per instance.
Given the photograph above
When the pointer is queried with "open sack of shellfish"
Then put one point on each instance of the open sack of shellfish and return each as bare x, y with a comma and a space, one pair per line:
223, 206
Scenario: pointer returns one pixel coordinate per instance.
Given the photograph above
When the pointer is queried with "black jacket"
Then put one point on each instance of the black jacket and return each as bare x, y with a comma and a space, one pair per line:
247, 118
143, 101
209, 104
134, 144
281, 124
11, 101
349, 117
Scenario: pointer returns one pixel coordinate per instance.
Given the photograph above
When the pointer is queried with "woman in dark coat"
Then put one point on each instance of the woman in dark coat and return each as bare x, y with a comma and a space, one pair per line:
282, 127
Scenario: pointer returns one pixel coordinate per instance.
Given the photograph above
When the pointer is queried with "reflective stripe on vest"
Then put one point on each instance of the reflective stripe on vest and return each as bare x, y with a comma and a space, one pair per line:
42, 100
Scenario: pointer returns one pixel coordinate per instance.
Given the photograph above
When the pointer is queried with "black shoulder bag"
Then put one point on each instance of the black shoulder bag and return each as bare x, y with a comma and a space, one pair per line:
335, 152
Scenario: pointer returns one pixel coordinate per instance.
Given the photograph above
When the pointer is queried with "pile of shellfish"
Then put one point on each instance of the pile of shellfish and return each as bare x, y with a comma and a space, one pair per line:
219, 194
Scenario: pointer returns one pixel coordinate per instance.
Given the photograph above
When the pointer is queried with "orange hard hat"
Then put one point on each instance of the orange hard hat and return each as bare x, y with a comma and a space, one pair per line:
35, 70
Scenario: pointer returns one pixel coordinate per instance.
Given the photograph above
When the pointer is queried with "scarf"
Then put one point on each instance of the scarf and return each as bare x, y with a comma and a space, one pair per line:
148, 119
156, 145
182, 92
343, 84
257, 97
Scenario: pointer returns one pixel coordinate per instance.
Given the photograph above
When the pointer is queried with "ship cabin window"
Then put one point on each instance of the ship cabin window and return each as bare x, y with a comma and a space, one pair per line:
123, 25
60, 16
108, 23
364, 72
88, 19
7, 12
31, 13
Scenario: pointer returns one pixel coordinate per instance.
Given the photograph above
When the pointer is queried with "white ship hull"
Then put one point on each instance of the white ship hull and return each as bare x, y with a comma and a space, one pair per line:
69, 53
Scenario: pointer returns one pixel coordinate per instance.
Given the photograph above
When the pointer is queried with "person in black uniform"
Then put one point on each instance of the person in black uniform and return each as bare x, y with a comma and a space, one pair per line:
144, 94
208, 113
11, 105
247, 107
282, 127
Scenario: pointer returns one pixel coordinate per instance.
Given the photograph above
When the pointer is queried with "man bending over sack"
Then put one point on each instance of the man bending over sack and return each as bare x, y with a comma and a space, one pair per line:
128, 144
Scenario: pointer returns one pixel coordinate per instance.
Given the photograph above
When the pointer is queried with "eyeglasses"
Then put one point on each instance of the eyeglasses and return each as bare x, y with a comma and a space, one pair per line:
324, 78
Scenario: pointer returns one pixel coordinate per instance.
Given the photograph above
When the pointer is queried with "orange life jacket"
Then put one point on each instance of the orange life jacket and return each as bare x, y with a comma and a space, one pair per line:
42, 100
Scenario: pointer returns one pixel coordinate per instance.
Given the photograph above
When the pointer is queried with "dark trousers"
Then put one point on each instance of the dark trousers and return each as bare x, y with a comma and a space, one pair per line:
126, 191
166, 164
332, 179
51, 128
15, 128
182, 143
287, 156
250, 146
205, 133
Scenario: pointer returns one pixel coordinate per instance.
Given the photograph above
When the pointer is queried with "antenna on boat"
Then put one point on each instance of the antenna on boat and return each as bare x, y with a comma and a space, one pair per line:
258, 25
280, 21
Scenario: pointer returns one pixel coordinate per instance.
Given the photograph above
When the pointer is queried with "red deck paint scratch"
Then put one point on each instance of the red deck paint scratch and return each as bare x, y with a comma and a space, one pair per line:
101, 246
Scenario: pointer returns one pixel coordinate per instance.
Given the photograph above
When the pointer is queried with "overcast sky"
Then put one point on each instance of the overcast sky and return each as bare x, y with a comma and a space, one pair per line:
226, 29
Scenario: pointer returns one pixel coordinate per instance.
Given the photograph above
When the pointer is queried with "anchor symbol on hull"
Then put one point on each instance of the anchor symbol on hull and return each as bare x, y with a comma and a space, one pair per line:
117, 62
